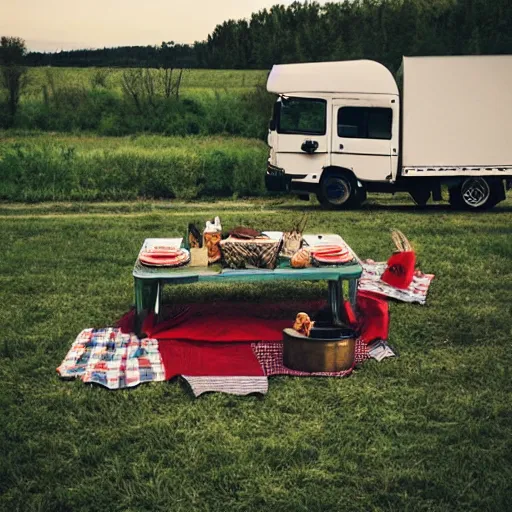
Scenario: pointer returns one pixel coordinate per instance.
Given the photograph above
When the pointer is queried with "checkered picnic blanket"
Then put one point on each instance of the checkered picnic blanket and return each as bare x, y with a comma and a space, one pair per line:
370, 281
112, 359
270, 356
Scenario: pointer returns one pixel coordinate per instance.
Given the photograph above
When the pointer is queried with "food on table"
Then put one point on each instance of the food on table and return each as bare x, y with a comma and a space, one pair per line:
292, 240
212, 241
331, 255
301, 259
212, 238
164, 257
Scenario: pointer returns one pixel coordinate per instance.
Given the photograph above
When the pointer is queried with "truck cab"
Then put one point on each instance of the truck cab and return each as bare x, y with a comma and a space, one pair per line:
335, 132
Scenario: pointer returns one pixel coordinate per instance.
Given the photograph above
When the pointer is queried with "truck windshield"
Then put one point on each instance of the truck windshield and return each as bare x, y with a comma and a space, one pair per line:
301, 116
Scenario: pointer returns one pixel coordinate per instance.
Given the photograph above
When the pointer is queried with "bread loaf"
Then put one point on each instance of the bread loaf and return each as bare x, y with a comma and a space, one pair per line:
301, 259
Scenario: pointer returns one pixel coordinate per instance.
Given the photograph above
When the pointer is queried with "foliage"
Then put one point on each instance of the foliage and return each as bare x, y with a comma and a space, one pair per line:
141, 100
100, 76
12, 51
39, 168
168, 54
12, 74
428, 431
383, 30
125, 101
150, 85
195, 82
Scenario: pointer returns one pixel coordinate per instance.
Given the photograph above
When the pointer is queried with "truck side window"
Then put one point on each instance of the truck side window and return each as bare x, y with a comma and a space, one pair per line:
365, 123
302, 116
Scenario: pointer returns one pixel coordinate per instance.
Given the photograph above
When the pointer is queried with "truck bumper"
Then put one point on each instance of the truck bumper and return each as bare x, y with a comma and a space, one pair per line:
276, 180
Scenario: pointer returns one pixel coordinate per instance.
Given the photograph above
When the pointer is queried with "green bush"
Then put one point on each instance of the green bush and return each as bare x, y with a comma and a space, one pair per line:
72, 108
92, 168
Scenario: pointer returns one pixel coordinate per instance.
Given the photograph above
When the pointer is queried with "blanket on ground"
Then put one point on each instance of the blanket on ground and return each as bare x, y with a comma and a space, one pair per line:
371, 282
225, 346
270, 357
230, 385
229, 347
113, 359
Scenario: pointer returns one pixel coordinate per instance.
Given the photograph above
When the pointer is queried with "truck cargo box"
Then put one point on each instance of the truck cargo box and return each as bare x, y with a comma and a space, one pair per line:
457, 111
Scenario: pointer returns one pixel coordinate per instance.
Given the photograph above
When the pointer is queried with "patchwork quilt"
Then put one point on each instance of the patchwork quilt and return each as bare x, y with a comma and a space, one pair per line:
113, 359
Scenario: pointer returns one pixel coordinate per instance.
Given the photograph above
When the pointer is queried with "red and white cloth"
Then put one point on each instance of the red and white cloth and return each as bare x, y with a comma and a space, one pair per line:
230, 385
227, 347
112, 359
370, 281
270, 357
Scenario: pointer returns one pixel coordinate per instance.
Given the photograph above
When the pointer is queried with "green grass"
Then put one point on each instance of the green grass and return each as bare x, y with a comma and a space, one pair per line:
430, 430
194, 81
210, 102
38, 167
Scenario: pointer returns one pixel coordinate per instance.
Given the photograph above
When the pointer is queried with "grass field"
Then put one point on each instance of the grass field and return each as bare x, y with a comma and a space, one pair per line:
428, 431
42, 166
194, 81
210, 102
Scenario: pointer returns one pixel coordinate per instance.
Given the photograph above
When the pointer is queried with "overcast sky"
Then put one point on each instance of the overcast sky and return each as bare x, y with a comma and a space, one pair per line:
50, 25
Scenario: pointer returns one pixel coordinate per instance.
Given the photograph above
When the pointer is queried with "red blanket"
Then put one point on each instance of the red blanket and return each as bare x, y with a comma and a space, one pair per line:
215, 339
199, 358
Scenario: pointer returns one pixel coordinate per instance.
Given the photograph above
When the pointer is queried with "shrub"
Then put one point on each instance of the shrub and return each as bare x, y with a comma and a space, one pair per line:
48, 168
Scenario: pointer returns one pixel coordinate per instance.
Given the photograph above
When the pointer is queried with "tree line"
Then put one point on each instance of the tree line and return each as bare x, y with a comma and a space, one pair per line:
167, 55
383, 30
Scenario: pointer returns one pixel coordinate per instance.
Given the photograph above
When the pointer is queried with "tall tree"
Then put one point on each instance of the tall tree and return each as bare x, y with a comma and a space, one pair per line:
382, 30
13, 72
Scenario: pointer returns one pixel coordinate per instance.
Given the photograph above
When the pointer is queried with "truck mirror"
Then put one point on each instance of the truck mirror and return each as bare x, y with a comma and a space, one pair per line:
272, 125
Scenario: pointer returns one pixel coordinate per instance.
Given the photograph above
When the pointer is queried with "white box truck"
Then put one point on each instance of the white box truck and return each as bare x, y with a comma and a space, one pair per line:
341, 129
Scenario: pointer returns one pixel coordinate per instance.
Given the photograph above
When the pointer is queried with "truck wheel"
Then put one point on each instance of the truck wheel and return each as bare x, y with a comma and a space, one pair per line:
476, 193
338, 191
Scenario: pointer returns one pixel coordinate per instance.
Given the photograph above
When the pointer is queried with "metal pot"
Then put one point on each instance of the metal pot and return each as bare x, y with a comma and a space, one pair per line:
319, 354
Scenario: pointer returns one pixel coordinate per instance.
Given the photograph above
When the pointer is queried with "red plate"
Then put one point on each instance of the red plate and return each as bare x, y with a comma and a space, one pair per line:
164, 258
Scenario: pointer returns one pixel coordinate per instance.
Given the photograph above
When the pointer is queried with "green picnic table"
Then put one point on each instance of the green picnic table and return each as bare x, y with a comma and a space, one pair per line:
149, 281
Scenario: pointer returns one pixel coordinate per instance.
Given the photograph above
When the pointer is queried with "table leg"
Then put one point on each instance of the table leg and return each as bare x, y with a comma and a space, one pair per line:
139, 306
336, 300
157, 303
154, 300
352, 292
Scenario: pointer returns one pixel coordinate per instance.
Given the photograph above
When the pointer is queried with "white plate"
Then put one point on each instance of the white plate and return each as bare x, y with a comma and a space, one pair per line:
150, 243
274, 235
313, 240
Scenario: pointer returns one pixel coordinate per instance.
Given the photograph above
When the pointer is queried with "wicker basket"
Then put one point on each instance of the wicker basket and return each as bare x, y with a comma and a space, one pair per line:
259, 252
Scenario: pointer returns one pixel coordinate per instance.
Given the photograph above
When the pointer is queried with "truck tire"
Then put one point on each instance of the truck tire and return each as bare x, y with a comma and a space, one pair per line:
339, 192
476, 193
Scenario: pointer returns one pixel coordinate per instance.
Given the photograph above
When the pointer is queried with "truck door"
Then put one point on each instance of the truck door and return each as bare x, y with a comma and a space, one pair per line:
300, 144
365, 137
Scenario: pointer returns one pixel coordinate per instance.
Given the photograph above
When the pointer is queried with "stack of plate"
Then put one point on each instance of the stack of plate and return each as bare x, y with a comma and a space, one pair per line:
331, 254
164, 257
